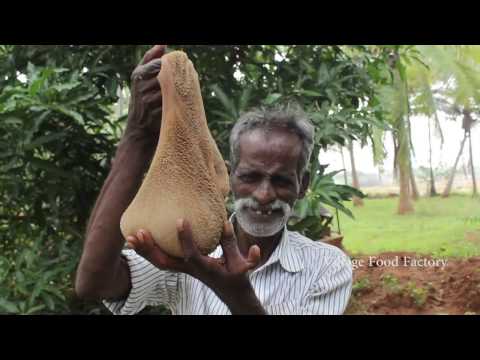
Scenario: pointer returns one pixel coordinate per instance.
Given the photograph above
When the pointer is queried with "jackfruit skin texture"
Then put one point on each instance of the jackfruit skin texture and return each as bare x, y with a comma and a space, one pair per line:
187, 177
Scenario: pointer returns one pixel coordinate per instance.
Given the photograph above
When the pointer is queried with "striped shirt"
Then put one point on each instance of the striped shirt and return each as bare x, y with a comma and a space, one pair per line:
300, 277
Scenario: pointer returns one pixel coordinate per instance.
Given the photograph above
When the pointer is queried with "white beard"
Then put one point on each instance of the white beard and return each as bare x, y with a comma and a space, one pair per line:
264, 229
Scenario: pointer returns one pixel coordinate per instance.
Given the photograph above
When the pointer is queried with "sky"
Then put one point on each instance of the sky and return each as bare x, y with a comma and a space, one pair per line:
453, 135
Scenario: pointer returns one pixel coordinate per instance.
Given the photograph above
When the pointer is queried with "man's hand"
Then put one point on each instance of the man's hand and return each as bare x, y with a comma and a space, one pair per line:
145, 109
226, 276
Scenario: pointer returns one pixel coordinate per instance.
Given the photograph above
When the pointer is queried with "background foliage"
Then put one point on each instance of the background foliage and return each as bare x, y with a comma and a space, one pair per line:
58, 131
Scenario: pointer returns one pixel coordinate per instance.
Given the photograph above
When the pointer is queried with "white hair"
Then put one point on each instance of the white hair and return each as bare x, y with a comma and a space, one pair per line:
286, 117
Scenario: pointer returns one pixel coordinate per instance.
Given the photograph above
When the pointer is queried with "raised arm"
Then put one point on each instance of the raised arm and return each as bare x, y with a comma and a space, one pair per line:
102, 272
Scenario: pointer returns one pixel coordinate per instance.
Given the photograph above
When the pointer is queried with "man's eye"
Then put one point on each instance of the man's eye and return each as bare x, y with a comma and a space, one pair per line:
247, 178
282, 181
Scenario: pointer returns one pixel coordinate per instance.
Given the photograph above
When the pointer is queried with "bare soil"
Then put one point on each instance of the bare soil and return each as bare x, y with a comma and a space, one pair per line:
384, 285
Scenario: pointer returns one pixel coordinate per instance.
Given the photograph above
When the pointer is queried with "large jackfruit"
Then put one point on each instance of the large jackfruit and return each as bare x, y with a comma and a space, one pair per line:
187, 177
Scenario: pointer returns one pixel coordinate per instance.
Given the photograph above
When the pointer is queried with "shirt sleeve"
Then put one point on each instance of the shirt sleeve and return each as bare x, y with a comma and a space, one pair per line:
329, 293
150, 287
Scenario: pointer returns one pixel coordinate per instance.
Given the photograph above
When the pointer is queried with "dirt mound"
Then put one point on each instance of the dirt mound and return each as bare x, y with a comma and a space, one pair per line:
410, 283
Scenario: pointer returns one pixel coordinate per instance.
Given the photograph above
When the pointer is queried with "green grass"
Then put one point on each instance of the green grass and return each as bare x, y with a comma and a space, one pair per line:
439, 227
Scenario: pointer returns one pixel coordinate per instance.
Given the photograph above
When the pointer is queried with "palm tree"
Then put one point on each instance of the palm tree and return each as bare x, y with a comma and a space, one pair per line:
448, 188
467, 125
472, 168
421, 79
355, 183
432, 189
395, 101
405, 204
458, 68
410, 93
344, 166
413, 183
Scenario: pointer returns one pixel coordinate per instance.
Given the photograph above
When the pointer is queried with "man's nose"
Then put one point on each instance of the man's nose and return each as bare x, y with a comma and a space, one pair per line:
265, 193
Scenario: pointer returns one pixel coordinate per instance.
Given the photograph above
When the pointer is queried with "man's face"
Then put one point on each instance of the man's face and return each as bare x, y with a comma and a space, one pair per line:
265, 183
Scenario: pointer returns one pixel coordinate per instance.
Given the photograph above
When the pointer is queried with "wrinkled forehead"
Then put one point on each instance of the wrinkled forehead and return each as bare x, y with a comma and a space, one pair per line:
276, 146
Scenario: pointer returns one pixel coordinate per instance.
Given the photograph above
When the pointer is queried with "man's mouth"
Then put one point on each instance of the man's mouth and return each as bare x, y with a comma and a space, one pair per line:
264, 212
262, 221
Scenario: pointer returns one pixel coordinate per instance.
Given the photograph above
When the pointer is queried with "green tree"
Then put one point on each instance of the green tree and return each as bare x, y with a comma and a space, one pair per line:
59, 130
416, 71
457, 69
357, 201
395, 100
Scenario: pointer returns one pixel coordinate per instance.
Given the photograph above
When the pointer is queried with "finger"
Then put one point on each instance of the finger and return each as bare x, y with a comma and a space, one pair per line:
153, 99
142, 246
254, 257
233, 257
190, 250
152, 68
147, 238
149, 85
132, 242
148, 70
163, 261
229, 242
156, 113
145, 246
155, 118
140, 238
144, 243
156, 52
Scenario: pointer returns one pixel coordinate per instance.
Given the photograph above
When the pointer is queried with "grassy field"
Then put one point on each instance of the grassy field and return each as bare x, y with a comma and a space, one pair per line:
440, 227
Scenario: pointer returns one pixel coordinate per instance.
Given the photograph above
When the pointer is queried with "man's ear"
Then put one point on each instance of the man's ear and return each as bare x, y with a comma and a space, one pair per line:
304, 185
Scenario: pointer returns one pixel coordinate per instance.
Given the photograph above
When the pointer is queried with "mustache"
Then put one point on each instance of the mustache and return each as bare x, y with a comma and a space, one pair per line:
252, 203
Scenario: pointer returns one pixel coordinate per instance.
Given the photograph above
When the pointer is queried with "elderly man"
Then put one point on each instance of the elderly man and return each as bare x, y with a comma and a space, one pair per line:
260, 266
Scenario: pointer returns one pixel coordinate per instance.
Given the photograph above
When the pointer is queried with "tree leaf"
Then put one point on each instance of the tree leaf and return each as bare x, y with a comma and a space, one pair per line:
8, 306
36, 291
48, 166
48, 300
71, 113
224, 99
272, 98
244, 100
44, 140
15, 121
310, 93
35, 309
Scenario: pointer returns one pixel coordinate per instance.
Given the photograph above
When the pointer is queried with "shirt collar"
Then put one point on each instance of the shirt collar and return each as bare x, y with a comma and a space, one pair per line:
285, 253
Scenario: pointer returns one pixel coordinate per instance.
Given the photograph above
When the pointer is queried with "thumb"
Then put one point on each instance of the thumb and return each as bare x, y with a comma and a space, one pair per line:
155, 52
254, 257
